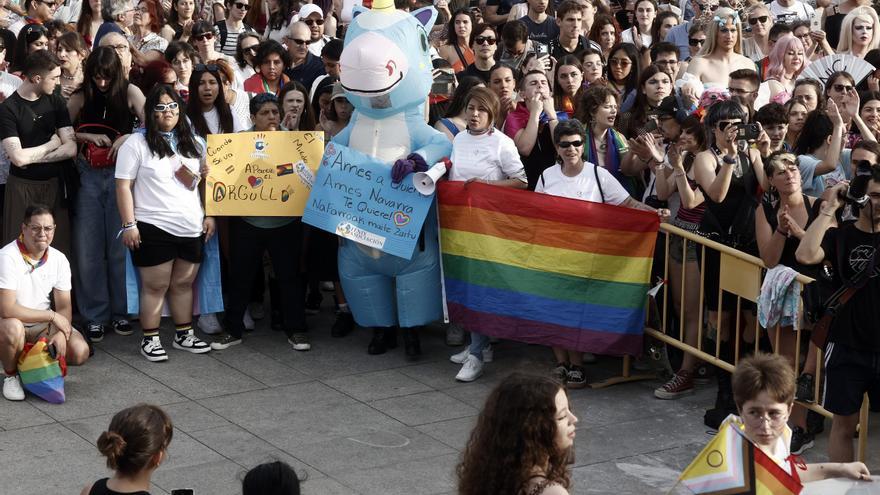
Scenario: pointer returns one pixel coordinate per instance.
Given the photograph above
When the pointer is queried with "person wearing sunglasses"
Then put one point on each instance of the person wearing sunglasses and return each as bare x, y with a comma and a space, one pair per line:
757, 46
204, 39
484, 42
37, 12
245, 51
313, 17
573, 177
163, 224
233, 26
680, 35
722, 53
121, 18
305, 67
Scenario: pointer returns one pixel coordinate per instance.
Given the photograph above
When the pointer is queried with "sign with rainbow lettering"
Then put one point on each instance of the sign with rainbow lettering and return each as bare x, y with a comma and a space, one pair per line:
266, 174
354, 198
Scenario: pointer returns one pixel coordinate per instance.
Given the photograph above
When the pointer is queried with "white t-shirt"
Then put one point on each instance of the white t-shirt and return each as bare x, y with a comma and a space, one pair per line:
583, 185
212, 118
159, 198
489, 156
627, 37
797, 11
33, 287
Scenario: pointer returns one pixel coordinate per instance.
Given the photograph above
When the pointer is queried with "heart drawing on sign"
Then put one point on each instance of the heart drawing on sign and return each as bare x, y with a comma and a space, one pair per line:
400, 218
255, 182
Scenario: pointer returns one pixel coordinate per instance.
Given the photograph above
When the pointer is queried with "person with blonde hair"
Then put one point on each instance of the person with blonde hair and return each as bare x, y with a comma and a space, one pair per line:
758, 45
722, 52
858, 33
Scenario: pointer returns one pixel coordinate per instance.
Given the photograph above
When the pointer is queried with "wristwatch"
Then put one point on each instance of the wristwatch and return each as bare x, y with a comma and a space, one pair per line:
729, 160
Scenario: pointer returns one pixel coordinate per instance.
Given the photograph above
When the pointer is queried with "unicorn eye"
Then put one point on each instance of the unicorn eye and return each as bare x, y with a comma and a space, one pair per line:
424, 38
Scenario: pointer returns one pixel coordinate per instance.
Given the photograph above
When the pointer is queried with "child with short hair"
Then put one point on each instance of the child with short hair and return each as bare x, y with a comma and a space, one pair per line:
763, 389
135, 445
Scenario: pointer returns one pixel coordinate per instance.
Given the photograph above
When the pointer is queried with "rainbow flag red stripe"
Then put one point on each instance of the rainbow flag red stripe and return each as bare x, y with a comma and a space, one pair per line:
544, 269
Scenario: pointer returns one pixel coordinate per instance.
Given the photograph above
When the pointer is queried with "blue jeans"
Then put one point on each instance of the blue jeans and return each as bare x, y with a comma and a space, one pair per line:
479, 342
99, 256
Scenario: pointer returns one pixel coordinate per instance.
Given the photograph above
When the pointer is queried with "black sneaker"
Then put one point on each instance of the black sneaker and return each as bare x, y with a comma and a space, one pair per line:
343, 325
313, 303
576, 377
95, 332
226, 341
800, 440
806, 385
122, 327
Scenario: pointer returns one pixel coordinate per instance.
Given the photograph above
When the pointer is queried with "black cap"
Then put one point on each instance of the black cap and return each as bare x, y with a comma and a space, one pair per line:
671, 107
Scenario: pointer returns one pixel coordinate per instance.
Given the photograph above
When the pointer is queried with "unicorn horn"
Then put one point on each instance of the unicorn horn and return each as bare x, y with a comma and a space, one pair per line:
383, 5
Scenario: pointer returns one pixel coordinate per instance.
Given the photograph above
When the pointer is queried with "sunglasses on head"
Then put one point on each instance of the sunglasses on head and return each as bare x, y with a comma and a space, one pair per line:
162, 107
568, 144
203, 36
312, 22
482, 40
207, 68
843, 88
754, 20
695, 41
242, 6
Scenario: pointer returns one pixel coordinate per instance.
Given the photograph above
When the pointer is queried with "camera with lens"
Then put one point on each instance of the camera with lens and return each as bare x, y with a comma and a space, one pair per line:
857, 192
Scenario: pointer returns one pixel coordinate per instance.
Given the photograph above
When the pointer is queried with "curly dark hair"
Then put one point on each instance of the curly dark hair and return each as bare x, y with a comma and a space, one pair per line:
515, 433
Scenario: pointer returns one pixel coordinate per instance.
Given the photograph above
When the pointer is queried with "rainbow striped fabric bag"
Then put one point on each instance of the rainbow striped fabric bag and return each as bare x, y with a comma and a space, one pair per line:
40, 374
544, 269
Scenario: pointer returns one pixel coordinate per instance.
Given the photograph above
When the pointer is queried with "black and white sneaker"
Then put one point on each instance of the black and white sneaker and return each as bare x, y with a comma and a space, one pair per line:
151, 348
190, 343
122, 327
95, 332
800, 440
225, 342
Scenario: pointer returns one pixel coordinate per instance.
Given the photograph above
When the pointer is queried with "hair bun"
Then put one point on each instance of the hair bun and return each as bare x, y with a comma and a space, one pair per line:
112, 446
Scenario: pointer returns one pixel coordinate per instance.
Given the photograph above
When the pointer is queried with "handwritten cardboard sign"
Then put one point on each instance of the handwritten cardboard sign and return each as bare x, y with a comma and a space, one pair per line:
261, 173
354, 198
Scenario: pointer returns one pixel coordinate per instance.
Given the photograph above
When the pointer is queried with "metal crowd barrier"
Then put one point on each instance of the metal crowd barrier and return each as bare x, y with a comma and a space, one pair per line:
741, 275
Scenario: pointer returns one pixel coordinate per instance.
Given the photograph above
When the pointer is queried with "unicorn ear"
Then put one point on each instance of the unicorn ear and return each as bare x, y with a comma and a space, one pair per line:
426, 16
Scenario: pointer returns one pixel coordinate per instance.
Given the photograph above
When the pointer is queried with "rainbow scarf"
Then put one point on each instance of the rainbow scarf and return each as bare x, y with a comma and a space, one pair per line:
615, 144
731, 464
546, 269
34, 264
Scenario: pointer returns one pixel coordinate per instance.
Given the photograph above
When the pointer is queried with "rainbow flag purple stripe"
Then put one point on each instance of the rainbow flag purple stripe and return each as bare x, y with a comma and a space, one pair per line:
544, 269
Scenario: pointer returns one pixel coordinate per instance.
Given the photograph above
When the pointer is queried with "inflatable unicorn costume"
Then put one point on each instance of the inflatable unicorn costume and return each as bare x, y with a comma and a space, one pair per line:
386, 74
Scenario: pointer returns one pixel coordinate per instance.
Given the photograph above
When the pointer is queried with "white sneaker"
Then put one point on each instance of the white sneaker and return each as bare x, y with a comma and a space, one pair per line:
12, 388
470, 370
190, 343
151, 348
248, 320
208, 323
460, 358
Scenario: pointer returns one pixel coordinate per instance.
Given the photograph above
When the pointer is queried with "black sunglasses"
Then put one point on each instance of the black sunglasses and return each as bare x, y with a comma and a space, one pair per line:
242, 6
754, 20
310, 22
206, 68
843, 88
568, 144
203, 36
695, 41
480, 40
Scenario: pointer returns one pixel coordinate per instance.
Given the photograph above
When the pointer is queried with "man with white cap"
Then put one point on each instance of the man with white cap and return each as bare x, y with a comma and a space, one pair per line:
313, 16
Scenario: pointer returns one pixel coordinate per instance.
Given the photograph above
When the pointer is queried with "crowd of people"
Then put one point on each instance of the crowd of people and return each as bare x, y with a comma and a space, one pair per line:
696, 110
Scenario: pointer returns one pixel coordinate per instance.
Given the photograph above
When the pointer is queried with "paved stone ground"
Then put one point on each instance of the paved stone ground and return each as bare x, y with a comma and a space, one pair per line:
353, 423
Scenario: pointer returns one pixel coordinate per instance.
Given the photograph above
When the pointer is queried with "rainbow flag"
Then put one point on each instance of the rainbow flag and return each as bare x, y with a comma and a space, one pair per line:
544, 269
40, 374
731, 464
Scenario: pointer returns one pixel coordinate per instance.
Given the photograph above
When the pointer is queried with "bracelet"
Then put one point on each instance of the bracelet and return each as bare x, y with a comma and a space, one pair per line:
783, 233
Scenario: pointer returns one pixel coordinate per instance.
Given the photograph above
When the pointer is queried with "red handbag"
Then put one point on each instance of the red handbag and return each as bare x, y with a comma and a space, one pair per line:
98, 156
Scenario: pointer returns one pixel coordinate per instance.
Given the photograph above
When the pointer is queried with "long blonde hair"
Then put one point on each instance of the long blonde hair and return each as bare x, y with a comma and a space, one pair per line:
714, 24
865, 14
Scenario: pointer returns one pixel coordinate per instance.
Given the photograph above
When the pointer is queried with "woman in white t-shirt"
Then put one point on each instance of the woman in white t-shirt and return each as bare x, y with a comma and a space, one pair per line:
574, 178
484, 154
157, 177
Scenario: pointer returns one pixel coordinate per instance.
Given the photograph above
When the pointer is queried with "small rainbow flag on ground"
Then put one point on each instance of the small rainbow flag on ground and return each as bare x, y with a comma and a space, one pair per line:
544, 269
731, 464
40, 374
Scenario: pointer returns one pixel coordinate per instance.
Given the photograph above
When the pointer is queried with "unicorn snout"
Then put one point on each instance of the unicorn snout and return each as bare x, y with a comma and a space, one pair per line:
372, 65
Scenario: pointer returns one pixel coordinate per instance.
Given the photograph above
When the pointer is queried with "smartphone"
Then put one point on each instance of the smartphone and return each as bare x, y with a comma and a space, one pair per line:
540, 49
444, 84
748, 132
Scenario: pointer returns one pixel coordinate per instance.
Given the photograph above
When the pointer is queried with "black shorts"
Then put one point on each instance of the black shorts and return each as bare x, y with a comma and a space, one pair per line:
158, 246
849, 373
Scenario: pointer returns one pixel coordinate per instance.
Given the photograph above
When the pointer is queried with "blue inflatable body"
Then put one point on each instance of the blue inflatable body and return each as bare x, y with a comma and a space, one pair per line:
386, 73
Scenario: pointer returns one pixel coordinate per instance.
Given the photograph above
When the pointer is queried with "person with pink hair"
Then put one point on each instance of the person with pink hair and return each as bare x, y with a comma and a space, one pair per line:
787, 60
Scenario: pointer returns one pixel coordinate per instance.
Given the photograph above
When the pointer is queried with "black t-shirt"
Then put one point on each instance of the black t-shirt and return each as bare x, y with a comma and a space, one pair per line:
543, 32
557, 51
100, 488
504, 6
34, 123
857, 323
472, 70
